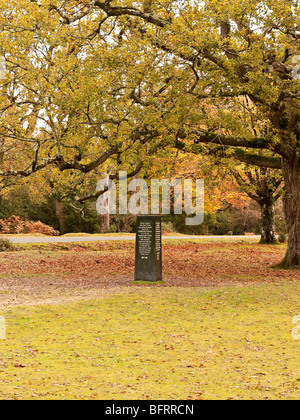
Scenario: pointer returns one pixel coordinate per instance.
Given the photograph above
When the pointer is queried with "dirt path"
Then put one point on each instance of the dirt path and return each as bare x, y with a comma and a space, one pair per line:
105, 238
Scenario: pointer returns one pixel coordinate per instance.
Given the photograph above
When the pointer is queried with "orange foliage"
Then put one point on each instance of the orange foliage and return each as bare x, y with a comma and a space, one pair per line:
15, 225
219, 186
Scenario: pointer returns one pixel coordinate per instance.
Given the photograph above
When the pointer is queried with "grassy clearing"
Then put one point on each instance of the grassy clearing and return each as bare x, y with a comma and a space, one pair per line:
171, 343
214, 239
93, 245
67, 246
103, 235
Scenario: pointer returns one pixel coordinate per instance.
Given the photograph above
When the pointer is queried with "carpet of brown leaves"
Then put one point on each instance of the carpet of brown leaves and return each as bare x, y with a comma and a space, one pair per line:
74, 272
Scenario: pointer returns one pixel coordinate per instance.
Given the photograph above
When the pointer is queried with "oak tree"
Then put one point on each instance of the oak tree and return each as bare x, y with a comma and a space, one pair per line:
228, 50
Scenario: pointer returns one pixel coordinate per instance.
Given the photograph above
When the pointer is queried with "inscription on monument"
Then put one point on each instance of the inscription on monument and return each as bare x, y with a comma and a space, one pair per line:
145, 232
158, 240
148, 249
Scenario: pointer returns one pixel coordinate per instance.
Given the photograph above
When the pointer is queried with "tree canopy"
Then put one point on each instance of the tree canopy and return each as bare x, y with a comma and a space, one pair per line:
91, 80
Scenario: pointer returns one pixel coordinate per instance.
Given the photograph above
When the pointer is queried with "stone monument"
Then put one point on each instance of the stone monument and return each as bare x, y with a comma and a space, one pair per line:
148, 249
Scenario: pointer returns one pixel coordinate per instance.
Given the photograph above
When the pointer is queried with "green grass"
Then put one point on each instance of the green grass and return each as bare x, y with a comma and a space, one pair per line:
213, 239
75, 235
247, 240
156, 343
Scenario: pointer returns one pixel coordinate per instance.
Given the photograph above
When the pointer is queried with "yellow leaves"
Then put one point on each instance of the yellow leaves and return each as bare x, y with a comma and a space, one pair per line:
91, 86
19, 364
219, 188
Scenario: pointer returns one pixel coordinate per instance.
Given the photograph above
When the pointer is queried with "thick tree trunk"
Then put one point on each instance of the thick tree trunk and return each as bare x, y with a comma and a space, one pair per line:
268, 235
291, 199
60, 214
105, 223
105, 220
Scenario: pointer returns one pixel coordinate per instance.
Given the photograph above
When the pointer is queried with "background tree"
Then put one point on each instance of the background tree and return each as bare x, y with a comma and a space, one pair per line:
265, 187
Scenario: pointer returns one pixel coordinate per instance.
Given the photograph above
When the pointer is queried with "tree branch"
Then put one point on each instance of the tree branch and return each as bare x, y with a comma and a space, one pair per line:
235, 141
131, 11
258, 160
237, 153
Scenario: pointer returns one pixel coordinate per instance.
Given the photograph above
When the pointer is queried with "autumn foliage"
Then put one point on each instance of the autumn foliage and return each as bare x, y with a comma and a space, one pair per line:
15, 225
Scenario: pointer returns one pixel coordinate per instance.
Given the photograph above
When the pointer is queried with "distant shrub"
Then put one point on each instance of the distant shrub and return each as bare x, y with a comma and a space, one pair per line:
15, 225
39, 227
167, 227
5, 245
282, 238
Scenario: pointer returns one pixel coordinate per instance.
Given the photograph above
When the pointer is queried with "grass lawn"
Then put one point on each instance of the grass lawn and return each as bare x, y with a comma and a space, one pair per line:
156, 343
